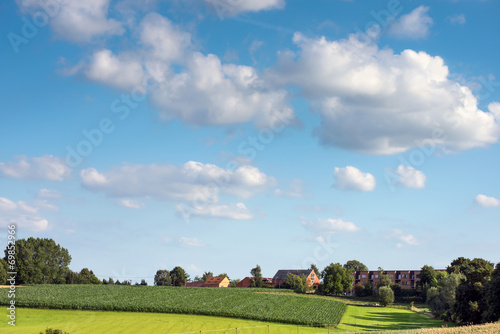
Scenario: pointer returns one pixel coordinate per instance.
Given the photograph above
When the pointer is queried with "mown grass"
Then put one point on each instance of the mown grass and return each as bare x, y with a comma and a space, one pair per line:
234, 303
373, 318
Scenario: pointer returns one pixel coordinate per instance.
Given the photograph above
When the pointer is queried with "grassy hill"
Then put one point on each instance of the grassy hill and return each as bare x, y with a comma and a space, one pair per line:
252, 304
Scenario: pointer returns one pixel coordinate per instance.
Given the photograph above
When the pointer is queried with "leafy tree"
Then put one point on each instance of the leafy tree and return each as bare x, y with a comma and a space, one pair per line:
4, 268
111, 281
396, 287
179, 276
441, 299
143, 282
492, 297
385, 280
257, 274
162, 278
368, 289
428, 279
40, 261
206, 275
355, 265
359, 289
316, 270
336, 279
385, 296
234, 282
471, 304
86, 276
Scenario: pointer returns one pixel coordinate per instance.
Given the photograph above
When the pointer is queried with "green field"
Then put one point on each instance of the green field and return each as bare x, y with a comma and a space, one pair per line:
252, 304
101, 322
371, 318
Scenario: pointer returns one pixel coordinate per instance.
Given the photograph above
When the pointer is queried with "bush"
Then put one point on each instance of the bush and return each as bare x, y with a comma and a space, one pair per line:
385, 296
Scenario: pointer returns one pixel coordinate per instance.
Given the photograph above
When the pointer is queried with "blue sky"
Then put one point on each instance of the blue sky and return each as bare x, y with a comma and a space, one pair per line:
220, 134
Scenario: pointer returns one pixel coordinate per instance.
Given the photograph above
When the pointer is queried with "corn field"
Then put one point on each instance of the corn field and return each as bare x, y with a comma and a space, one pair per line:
234, 303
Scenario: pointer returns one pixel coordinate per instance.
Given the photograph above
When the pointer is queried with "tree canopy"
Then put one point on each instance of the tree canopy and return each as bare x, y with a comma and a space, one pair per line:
162, 278
40, 261
336, 279
257, 274
355, 265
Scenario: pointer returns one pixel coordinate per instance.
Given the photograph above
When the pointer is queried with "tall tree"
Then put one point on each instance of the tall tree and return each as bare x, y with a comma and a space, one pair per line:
4, 268
355, 265
492, 297
162, 278
336, 279
178, 276
385, 296
206, 275
384, 279
40, 261
257, 274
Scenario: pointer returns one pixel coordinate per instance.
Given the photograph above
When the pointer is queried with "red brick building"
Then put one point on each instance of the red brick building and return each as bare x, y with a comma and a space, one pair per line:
406, 278
247, 281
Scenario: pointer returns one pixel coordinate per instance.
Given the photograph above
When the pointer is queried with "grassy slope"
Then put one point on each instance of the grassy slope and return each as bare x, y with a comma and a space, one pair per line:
369, 318
98, 322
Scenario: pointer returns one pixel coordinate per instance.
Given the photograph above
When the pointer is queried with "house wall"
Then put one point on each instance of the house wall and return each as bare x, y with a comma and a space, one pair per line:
406, 278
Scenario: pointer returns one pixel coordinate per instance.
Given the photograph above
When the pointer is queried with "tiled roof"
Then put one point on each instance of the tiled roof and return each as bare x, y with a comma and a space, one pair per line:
281, 274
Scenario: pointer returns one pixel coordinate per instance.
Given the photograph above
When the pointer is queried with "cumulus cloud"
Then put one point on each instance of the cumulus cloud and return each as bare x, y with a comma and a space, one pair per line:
131, 204
414, 25
75, 20
234, 211
404, 238
374, 101
122, 72
25, 215
190, 242
328, 226
231, 8
191, 181
296, 190
46, 167
211, 93
351, 178
409, 177
487, 202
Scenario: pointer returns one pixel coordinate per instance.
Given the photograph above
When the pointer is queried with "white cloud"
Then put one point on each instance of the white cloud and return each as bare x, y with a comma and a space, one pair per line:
409, 177
131, 204
296, 190
211, 93
46, 167
25, 215
351, 178
487, 202
163, 40
191, 181
46, 193
458, 19
190, 242
231, 7
408, 239
414, 25
328, 226
75, 20
122, 72
373, 101
234, 211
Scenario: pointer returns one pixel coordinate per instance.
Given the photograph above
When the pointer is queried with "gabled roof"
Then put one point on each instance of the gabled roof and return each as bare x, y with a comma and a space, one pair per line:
281, 274
215, 281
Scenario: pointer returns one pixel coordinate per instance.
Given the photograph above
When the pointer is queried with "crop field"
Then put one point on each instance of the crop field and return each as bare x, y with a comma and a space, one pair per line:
233, 303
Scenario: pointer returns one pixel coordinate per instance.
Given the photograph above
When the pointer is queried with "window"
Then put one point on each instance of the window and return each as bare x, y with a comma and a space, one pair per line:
399, 276
390, 276
363, 276
371, 276
376, 276
405, 276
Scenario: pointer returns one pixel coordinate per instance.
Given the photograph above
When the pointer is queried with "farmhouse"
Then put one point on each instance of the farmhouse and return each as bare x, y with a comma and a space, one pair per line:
247, 281
194, 284
280, 277
217, 282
